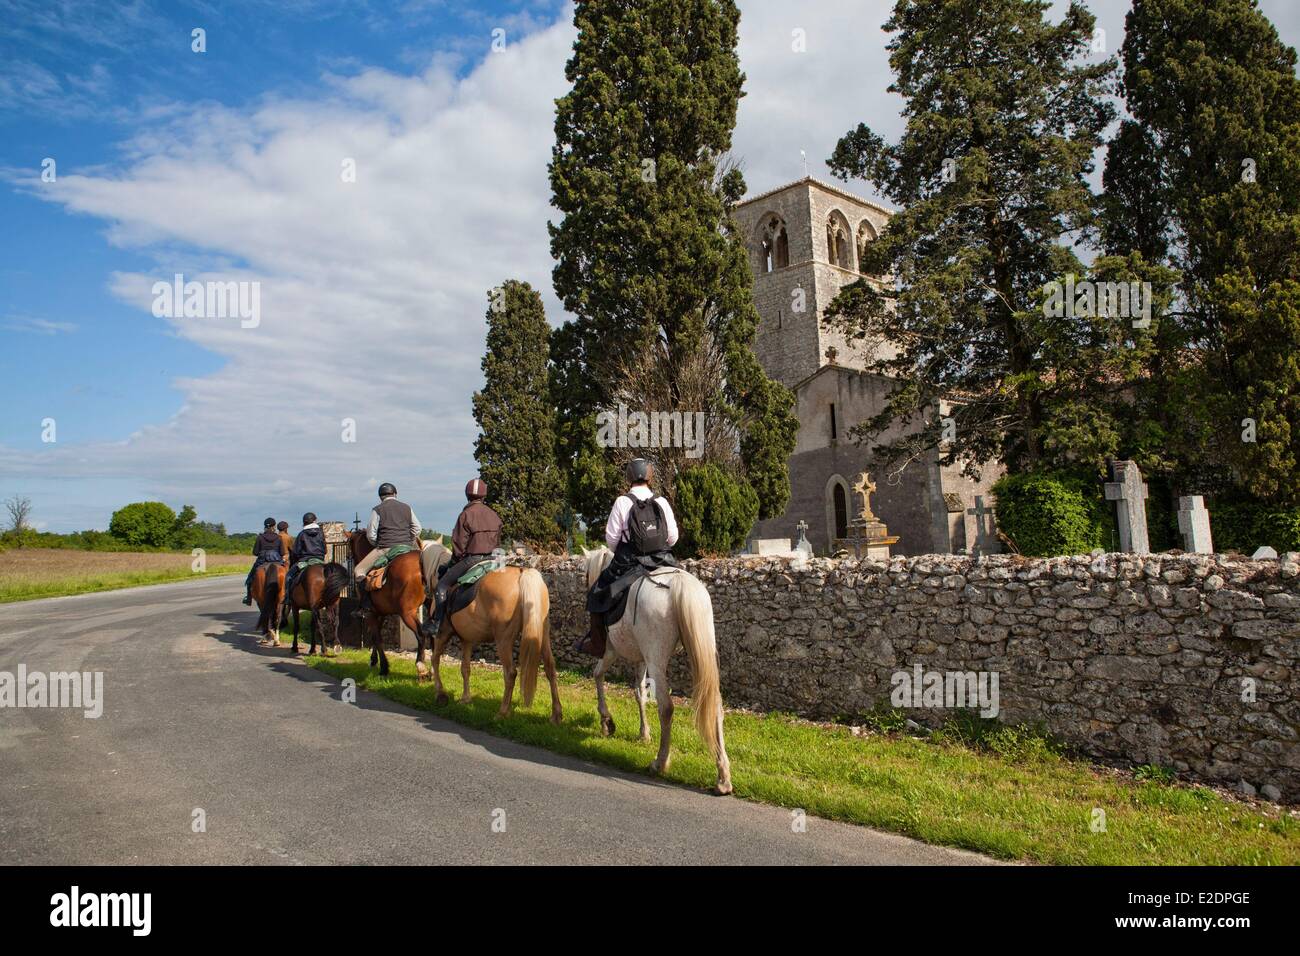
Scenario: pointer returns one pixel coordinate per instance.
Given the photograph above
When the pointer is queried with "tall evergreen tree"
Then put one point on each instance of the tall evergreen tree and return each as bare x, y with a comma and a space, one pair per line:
1206, 179
1004, 110
515, 449
647, 259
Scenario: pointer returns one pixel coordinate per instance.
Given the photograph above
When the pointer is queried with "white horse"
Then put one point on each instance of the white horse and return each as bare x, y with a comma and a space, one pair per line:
657, 618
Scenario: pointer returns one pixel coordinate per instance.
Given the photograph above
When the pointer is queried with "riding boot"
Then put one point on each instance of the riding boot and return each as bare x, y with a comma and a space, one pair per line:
248, 595
594, 642
363, 601
431, 627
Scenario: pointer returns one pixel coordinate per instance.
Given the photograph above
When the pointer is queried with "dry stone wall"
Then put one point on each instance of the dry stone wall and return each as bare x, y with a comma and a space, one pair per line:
1186, 661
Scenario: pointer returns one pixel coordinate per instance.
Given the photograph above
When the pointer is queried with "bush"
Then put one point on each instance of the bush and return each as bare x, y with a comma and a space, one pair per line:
144, 524
714, 511
1247, 525
1045, 514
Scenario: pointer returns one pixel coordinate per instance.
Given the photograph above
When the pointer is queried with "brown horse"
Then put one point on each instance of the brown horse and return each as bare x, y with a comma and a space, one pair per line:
268, 592
511, 603
318, 590
406, 584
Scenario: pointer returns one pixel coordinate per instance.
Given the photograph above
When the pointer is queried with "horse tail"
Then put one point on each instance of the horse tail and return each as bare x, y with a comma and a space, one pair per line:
534, 606
692, 608
271, 594
336, 579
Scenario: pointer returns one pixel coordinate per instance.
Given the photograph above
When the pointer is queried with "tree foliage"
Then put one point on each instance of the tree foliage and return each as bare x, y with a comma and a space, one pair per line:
144, 524
515, 449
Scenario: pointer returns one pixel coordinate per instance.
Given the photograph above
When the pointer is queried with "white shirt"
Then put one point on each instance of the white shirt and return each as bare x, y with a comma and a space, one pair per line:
616, 526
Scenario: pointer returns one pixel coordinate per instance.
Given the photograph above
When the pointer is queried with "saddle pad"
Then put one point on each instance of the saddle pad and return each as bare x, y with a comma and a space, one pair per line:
395, 551
476, 572
308, 562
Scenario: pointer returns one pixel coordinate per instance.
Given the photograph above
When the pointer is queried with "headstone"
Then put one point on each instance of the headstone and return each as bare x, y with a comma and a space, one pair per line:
771, 547
1194, 523
1265, 554
868, 536
803, 545
1129, 493
975, 542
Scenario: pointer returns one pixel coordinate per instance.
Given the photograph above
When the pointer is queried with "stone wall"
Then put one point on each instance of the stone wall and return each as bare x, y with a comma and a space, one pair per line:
1140, 659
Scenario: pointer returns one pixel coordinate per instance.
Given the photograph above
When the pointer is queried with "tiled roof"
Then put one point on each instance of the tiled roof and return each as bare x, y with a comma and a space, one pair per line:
829, 187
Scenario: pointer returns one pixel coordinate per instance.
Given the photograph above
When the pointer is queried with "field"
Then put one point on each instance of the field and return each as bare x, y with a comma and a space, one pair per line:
999, 791
27, 573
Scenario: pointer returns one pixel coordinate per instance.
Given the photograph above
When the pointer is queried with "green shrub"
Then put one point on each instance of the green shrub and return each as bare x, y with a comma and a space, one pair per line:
1247, 525
1051, 513
147, 524
714, 511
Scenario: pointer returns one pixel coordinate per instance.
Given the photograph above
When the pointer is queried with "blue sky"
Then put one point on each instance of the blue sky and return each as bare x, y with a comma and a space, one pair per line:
225, 165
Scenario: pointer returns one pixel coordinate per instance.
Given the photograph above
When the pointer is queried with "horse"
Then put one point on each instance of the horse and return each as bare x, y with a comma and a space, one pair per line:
268, 592
408, 580
657, 618
510, 602
317, 589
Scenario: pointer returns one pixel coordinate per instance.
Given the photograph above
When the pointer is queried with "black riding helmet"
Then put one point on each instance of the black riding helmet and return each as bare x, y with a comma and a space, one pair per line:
268, 523
637, 470
387, 489
308, 518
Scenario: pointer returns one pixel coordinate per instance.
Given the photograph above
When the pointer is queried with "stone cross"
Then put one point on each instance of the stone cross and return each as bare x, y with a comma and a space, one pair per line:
831, 354
979, 511
1194, 523
803, 544
1129, 492
865, 486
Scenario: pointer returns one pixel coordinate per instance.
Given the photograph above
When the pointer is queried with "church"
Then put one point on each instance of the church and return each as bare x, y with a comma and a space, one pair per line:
806, 241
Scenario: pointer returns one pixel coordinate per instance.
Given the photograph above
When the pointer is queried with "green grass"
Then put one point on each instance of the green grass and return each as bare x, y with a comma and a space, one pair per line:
1007, 792
28, 590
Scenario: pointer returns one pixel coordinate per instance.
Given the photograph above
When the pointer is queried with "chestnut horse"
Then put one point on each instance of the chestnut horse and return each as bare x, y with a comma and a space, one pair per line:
318, 590
407, 582
268, 592
510, 603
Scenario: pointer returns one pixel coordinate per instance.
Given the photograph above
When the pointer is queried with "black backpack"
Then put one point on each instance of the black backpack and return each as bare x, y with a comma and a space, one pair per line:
646, 530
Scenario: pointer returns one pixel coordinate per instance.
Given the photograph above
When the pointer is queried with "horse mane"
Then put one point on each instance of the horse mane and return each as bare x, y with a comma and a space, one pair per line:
597, 561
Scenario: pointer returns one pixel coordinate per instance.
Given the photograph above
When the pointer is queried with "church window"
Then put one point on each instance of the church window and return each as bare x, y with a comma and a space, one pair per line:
834, 425
774, 245
866, 236
839, 252
841, 511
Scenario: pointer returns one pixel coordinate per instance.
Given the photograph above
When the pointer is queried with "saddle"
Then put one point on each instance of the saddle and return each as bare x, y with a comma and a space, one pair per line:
632, 582
379, 570
466, 586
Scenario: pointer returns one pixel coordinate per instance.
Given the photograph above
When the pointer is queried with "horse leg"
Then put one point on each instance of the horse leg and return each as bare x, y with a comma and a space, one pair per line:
639, 692
724, 765
548, 661
659, 675
296, 620
379, 646
506, 654
435, 655
465, 650
606, 721
421, 672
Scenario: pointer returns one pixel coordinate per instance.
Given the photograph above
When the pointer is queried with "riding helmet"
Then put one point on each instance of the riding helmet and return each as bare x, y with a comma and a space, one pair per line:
638, 469
476, 488
268, 523
386, 489
308, 518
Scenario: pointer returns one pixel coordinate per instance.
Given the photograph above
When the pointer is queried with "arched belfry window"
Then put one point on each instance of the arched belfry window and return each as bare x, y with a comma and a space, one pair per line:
839, 250
774, 244
866, 236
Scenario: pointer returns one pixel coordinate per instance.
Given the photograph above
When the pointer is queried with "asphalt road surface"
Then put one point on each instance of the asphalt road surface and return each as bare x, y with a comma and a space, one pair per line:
197, 716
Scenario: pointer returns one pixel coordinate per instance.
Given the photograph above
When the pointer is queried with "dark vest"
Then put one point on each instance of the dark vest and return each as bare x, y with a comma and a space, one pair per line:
396, 524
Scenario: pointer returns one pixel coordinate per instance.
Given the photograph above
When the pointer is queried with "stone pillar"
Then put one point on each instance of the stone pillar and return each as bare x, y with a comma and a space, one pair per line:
1194, 523
1129, 493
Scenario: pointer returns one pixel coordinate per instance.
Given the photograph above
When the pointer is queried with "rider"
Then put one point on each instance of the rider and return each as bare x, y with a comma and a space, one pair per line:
392, 523
310, 543
268, 548
283, 529
641, 530
476, 535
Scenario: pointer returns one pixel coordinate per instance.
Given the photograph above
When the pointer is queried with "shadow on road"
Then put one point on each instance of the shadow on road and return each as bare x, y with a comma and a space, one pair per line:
239, 635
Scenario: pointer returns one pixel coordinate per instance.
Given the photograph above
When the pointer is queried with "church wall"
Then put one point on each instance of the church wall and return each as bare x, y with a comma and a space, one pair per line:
786, 342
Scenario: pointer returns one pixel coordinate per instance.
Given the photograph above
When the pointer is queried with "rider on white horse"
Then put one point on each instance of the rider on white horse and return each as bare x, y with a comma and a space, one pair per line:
641, 530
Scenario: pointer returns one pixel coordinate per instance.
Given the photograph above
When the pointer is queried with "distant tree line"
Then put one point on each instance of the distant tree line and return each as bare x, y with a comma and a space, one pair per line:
140, 526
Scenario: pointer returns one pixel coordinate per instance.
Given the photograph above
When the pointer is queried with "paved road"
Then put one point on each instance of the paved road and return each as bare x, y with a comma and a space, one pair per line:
196, 715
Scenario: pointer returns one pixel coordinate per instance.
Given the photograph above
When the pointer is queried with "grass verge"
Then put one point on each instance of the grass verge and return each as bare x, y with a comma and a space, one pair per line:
1004, 792
30, 573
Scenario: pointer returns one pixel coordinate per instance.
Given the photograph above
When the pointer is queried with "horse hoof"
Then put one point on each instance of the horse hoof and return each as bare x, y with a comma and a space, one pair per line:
443, 698
556, 718
723, 789
607, 726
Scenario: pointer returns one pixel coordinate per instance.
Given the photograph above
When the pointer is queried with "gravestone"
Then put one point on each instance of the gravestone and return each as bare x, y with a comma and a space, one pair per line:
868, 536
803, 546
975, 542
1194, 523
1265, 554
1129, 493
771, 547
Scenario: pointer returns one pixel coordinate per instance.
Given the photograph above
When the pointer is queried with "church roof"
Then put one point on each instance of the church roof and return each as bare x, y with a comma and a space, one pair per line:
829, 187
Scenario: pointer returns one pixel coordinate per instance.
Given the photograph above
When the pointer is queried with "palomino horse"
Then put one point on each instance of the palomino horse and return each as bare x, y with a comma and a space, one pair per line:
656, 619
318, 590
268, 592
406, 583
511, 602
